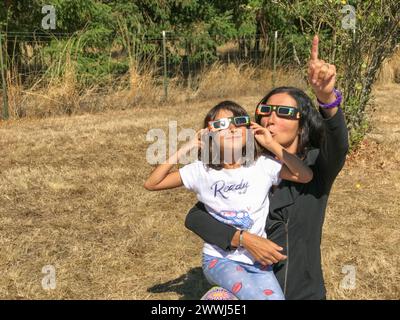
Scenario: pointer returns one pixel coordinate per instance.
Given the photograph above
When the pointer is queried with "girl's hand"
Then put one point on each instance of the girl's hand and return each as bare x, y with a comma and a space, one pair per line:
321, 75
263, 250
262, 135
196, 142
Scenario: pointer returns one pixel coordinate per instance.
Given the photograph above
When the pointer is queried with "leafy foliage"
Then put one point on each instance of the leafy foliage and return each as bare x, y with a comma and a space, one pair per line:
105, 38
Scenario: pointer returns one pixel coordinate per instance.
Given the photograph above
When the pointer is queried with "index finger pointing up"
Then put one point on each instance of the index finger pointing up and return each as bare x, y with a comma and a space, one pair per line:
314, 48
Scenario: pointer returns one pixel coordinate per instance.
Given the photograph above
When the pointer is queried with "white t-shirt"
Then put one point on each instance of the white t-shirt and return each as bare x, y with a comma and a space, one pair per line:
238, 197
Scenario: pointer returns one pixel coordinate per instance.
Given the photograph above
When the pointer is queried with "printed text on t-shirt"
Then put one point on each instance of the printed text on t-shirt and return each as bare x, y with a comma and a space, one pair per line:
222, 188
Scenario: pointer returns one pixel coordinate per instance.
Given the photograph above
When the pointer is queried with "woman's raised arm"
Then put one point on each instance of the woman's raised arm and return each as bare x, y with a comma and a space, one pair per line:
322, 78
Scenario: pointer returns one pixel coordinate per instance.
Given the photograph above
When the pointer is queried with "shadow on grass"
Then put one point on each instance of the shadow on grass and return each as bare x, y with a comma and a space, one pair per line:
190, 286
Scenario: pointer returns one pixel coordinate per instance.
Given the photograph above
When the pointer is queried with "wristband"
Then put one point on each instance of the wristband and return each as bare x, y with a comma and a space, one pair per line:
335, 103
241, 239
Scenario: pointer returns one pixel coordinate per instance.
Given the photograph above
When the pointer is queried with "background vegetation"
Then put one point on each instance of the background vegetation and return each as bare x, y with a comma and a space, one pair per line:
71, 186
108, 46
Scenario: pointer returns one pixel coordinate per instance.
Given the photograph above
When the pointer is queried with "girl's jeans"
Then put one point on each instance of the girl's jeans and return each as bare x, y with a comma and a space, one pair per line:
245, 281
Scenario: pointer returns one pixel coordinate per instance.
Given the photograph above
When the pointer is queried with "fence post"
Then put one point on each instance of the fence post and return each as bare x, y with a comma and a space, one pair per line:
165, 67
275, 52
3, 79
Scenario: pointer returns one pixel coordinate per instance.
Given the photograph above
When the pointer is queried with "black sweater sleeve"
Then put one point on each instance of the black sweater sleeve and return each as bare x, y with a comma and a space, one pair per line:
212, 231
333, 154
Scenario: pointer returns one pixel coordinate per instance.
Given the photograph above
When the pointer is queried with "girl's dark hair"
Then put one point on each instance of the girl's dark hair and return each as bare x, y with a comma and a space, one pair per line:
237, 111
311, 124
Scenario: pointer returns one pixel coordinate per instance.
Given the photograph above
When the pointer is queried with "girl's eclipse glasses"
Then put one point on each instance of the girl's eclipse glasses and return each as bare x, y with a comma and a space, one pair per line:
224, 123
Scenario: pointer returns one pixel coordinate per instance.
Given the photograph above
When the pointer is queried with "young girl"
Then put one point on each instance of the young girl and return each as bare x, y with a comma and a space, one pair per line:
234, 191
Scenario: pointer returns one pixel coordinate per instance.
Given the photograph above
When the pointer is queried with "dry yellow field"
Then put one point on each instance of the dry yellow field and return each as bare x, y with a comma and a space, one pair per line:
71, 196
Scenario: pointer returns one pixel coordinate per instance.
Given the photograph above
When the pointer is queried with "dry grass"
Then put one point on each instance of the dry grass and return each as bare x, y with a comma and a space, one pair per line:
71, 196
140, 87
390, 70
361, 227
48, 96
236, 81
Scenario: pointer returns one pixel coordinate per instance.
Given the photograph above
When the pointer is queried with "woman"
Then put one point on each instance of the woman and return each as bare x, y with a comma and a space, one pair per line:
296, 215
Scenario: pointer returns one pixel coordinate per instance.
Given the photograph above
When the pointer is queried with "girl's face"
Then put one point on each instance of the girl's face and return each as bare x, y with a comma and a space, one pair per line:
232, 138
284, 131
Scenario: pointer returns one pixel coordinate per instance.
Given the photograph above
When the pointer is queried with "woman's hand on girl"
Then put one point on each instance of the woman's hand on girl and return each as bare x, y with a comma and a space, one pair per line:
263, 250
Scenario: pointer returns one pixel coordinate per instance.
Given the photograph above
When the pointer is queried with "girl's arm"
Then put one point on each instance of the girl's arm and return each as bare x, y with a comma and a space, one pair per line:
293, 168
161, 178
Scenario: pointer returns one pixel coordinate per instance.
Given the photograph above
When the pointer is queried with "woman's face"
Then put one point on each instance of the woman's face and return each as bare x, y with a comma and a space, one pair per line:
232, 138
284, 131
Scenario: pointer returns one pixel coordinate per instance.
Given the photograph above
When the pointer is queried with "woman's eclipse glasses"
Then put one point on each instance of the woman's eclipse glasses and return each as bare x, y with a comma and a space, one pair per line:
281, 111
262, 110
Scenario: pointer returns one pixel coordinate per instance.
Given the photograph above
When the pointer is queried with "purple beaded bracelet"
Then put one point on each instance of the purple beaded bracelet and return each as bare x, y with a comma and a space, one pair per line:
335, 103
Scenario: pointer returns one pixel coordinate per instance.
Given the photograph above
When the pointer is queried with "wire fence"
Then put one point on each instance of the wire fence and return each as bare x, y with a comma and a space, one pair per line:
27, 57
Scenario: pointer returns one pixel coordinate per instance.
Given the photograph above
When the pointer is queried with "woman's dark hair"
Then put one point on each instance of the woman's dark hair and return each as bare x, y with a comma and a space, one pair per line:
237, 111
311, 124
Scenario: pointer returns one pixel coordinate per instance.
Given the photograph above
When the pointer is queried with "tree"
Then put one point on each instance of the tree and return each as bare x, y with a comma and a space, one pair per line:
358, 52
